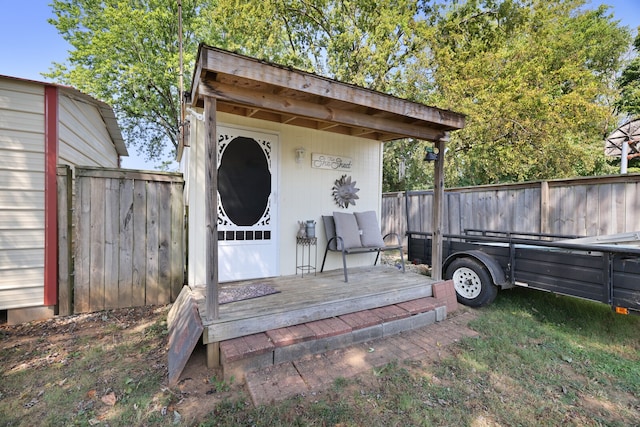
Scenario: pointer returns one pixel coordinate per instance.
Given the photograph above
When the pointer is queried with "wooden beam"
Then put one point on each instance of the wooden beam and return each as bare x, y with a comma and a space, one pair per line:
361, 131
544, 207
438, 198
240, 66
99, 172
211, 207
211, 88
65, 254
286, 119
195, 83
326, 125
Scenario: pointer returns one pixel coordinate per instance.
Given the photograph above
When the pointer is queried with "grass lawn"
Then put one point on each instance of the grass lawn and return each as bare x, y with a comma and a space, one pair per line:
540, 360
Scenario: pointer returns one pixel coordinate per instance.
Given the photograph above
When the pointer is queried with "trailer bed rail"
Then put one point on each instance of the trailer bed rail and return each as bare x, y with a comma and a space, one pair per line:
604, 270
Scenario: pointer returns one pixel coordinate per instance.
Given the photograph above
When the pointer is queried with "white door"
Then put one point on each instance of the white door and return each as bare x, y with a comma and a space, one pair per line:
247, 204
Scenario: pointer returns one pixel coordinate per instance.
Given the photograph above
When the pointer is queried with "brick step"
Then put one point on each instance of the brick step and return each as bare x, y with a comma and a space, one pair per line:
245, 354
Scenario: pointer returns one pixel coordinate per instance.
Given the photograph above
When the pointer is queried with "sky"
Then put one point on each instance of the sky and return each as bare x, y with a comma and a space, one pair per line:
30, 44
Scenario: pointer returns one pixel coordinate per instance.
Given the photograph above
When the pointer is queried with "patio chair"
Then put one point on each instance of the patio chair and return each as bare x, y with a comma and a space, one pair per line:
356, 233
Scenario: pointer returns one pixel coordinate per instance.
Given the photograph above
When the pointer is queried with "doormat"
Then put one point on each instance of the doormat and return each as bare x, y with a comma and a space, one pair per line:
245, 292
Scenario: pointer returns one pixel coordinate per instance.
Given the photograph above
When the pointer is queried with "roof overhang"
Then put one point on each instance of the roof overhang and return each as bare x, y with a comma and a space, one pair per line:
108, 116
253, 88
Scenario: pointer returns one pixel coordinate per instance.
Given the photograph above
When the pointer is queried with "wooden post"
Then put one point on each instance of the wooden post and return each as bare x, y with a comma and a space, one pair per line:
213, 355
438, 197
211, 206
544, 207
65, 266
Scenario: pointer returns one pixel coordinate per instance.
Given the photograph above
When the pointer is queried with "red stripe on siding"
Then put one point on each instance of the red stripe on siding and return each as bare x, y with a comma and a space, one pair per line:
50, 196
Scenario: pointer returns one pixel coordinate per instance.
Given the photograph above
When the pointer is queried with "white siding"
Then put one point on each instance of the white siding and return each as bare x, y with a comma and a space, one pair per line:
304, 193
21, 194
193, 168
82, 134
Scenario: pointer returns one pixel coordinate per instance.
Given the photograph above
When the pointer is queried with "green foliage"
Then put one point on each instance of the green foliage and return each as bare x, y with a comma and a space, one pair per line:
535, 81
629, 83
126, 53
371, 44
536, 78
220, 385
404, 167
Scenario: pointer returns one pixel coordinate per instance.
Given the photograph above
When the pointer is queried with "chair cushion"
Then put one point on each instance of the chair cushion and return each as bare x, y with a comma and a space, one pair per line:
347, 228
368, 224
330, 231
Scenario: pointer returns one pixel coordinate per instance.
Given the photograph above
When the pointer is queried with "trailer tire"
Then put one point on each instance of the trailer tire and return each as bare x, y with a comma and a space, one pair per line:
472, 282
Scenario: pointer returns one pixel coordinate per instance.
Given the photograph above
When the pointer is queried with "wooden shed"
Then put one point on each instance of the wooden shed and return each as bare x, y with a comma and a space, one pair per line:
272, 144
312, 131
42, 125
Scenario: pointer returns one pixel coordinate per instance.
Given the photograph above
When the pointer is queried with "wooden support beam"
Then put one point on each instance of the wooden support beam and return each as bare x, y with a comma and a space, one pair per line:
544, 207
438, 209
326, 126
286, 119
268, 101
213, 355
211, 207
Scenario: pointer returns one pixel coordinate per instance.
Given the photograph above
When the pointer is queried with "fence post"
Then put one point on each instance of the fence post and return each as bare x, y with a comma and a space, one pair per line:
544, 207
65, 260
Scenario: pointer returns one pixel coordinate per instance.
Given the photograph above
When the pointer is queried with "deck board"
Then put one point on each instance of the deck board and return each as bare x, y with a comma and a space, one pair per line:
311, 298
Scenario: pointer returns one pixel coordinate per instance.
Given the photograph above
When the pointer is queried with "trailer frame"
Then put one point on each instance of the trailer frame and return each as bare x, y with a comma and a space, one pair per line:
602, 272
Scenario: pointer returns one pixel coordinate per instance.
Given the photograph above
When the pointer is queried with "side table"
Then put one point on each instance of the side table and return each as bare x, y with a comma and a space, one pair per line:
305, 244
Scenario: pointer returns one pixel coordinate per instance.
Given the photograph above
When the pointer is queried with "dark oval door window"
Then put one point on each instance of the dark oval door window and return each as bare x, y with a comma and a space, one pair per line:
244, 181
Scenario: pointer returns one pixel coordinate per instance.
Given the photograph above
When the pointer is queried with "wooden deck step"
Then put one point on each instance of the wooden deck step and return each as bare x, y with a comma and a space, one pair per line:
245, 354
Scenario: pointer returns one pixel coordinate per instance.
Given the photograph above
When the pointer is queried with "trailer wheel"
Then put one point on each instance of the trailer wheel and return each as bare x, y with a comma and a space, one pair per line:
473, 284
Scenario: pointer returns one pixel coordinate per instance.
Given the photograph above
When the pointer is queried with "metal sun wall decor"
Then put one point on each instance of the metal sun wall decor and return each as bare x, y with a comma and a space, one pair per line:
344, 192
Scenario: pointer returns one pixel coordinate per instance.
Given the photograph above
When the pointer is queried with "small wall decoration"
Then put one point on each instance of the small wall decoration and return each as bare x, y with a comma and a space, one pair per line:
327, 161
344, 192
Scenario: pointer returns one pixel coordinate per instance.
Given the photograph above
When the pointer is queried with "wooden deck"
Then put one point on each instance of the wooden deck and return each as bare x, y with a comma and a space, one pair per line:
302, 300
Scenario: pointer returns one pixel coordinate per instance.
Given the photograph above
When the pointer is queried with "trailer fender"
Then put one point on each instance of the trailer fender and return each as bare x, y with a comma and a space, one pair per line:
493, 267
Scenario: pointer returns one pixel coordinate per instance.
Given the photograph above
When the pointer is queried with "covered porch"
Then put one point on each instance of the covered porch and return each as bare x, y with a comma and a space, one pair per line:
318, 313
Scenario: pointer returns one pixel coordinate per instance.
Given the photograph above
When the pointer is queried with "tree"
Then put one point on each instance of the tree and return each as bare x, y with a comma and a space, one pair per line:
126, 51
629, 84
534, 77
535, 80
404, 167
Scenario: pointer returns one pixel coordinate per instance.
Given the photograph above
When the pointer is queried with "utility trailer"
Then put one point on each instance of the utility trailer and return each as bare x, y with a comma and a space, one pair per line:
605, 269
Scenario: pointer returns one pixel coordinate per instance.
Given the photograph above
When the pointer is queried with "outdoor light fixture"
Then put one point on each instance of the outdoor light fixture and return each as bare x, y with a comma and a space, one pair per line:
430, 155
300, 154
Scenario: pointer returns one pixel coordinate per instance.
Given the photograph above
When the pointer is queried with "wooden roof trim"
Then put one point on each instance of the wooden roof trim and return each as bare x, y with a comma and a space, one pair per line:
221, 61
234, 94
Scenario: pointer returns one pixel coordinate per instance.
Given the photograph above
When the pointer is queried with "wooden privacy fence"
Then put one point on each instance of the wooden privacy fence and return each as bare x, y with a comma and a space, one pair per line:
580, 206
127, 244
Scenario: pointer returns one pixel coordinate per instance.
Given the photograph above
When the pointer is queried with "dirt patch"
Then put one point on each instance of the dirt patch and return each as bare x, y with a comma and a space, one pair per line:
110, 368
393, 260
103, 362
100, 362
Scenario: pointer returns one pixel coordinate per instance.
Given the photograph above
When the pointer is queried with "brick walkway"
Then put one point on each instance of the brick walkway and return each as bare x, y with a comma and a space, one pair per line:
316, 372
